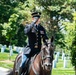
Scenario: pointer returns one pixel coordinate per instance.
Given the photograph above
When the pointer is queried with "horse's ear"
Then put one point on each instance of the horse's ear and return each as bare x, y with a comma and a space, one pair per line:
52, 38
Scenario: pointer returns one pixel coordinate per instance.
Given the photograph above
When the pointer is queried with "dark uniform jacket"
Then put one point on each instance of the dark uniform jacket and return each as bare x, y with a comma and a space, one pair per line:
35, 33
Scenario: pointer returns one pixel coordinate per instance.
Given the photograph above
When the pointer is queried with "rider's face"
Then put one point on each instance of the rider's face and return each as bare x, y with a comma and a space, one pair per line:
37, 21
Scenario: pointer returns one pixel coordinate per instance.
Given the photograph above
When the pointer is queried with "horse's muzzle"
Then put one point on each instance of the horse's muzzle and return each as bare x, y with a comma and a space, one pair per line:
48, 66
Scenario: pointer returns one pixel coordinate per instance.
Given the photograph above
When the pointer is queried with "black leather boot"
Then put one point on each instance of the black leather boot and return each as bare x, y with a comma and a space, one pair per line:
20, 71
23, 66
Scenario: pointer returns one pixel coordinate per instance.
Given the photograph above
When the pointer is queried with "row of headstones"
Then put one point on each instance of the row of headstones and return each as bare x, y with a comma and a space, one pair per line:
11, 48
20, 49
55, 61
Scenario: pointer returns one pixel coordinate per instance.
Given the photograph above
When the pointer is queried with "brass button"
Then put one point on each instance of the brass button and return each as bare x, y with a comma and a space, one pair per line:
37, 35
36, 46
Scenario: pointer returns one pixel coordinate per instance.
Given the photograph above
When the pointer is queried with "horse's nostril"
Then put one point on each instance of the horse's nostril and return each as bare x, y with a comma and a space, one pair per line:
48, 65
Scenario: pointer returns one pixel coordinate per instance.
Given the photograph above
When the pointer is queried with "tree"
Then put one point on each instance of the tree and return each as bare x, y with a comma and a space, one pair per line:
70, 38
12, 27
56, 11
73, 51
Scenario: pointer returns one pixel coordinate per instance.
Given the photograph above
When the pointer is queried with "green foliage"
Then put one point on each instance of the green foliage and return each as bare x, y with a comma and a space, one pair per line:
73, 53
13, 25
70, 39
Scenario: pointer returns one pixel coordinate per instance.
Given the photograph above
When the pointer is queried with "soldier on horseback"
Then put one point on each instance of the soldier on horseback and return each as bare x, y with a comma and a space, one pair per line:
35, 33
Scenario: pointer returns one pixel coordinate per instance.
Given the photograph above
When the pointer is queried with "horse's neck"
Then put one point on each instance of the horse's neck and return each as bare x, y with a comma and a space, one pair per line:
40, 64
38, 60
37, 63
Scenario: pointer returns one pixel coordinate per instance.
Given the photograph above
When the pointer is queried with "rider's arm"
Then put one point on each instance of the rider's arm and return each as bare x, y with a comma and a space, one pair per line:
29, 27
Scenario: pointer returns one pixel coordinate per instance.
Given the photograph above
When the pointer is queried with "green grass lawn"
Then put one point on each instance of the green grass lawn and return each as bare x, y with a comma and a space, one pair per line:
7, 62
60, 70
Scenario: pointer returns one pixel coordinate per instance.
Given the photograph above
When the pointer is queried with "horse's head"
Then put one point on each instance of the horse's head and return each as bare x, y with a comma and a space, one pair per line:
47, 55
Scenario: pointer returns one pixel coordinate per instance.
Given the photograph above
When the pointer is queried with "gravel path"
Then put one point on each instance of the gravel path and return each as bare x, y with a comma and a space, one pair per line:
3, 71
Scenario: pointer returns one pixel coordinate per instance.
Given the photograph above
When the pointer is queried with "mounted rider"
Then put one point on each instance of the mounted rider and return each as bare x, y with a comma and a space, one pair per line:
36, 34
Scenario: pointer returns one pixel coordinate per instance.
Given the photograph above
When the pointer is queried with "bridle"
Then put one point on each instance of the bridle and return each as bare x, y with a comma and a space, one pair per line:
45, 57
44, 63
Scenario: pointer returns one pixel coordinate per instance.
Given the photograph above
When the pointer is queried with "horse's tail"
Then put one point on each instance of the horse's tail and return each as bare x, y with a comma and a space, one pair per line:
10, 72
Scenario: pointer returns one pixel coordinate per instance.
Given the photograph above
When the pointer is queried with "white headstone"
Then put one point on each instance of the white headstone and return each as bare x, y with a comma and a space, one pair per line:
65, 62
56, 58
63, 55
21, 49
5, 46
17, 49
14, 47
54, 64
58, 53
10, 46
2, 49
11, 50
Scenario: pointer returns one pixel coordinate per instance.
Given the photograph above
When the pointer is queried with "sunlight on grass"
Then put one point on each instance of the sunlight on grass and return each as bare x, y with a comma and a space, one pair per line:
63, 72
